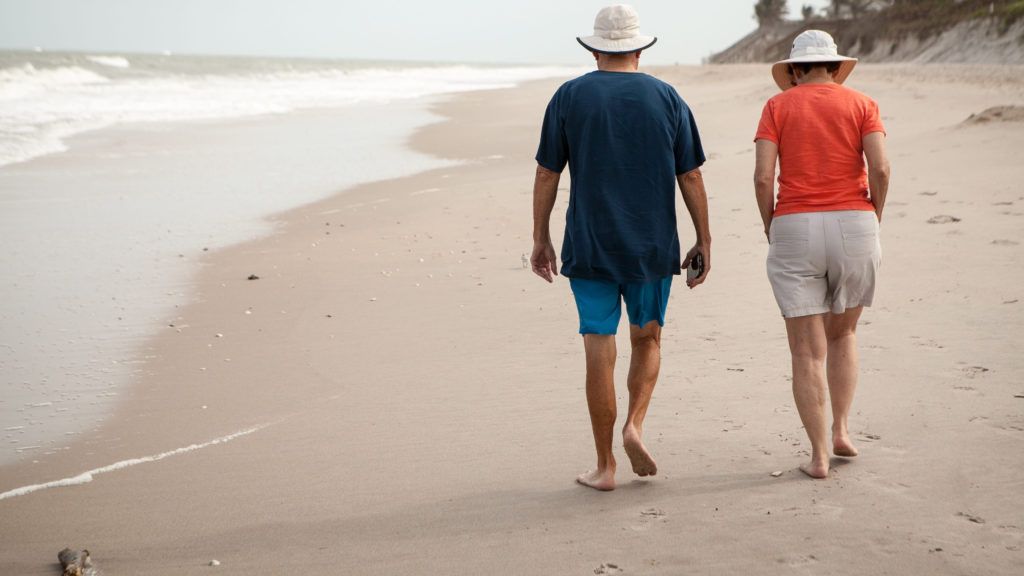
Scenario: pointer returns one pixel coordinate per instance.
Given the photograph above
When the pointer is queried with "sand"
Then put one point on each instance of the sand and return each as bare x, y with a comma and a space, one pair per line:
397, 394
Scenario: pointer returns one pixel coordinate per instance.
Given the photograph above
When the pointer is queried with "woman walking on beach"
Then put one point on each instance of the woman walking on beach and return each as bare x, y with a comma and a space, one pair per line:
823, 227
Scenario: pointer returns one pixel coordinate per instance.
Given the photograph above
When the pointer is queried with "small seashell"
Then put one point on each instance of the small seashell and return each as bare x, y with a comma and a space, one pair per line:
214, 563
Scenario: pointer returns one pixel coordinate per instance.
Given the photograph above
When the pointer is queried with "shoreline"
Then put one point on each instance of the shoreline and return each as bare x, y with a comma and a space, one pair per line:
420, 393
136, 209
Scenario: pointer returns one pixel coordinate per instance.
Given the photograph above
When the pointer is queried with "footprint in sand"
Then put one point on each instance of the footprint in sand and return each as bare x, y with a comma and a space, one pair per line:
971, 517
648, 516
1014, 535
928, 344
801, 561
943, 219
885, 484
607, 568
653, 513
974, 371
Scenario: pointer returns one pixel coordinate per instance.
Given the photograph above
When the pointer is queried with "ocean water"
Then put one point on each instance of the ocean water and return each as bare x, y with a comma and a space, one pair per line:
117, 172
47, 97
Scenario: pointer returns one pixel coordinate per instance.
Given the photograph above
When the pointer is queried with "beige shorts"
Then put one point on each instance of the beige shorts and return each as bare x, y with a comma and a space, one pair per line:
822, 262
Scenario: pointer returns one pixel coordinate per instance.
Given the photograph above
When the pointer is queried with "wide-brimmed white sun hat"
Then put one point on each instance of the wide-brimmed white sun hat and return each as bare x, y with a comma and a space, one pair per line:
812, 46
616, 31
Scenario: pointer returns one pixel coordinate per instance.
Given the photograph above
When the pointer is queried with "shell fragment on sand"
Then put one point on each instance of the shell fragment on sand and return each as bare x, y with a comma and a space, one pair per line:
74, 562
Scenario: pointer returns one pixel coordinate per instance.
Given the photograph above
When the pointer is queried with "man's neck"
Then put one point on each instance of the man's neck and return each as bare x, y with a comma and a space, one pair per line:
618, 62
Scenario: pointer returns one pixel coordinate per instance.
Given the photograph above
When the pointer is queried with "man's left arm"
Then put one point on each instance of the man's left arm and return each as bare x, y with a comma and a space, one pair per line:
696, 199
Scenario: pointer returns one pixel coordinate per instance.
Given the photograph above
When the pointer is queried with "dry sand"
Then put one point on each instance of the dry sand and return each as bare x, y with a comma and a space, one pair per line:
397, 394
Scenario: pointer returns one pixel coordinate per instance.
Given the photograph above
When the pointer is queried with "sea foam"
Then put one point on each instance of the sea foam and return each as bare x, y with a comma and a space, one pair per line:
86, 477
46, 98
112, 61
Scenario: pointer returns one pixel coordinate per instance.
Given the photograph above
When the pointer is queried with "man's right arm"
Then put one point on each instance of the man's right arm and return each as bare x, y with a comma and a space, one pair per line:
545, 190
696, 199
878, 169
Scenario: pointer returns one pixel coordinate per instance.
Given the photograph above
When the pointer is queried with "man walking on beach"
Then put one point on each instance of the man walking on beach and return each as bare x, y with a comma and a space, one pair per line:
823, 230
627, 138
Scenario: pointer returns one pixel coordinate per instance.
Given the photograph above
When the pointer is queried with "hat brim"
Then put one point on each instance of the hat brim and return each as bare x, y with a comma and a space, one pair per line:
785, 80
624, 46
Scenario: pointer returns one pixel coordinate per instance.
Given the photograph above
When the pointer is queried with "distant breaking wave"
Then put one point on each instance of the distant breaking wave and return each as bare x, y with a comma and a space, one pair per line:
48, 97
112, 61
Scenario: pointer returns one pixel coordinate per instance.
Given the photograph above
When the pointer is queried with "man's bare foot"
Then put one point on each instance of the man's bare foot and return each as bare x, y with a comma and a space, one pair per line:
843, 446
598, 479
643, 464
815, 469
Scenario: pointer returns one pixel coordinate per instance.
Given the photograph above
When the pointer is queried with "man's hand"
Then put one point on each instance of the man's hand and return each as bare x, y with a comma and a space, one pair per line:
696, 198
705, 253
543, 261
545, 189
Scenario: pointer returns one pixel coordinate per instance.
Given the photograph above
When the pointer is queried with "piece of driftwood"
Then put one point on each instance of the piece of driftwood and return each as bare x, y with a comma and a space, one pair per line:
74, 562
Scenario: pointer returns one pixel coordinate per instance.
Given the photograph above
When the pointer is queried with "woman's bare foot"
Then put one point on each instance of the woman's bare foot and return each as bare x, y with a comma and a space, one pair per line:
843, 446
643, 464
598, 479
816, 468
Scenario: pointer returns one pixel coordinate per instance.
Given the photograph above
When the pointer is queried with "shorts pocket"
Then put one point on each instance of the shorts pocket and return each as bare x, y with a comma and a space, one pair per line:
788, 237
860, 234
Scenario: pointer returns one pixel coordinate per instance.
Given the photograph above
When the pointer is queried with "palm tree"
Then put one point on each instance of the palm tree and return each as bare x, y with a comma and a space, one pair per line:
858, 7
770, 12
836, 8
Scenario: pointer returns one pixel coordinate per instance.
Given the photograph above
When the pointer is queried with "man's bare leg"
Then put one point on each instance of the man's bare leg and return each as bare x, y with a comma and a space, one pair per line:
841, 369
808, 346
644, 365
600, 352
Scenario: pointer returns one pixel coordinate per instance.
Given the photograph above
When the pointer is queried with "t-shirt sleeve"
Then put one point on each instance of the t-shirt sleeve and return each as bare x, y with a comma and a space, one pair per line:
689, 152
872, 119
553, 151
766, 128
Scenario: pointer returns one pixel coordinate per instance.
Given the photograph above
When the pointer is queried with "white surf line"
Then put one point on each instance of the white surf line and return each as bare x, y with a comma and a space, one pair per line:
86, 477
424, 191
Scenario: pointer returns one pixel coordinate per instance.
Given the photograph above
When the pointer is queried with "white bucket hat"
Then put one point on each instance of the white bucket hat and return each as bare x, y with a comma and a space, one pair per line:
812, 46
616, 31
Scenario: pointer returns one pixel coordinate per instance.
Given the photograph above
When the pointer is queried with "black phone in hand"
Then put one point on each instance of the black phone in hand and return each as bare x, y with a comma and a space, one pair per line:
696, 267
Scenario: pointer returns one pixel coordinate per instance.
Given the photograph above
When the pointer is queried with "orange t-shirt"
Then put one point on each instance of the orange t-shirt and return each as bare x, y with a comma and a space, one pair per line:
819, 129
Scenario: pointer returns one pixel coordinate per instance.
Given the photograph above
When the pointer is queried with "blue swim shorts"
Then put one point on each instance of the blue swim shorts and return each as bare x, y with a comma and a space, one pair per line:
599, 303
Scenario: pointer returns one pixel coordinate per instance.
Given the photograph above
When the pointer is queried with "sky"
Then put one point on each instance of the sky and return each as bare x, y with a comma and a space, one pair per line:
475, 31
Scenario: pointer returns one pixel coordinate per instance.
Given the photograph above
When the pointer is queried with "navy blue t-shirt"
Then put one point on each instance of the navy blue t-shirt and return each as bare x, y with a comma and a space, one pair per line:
625, 137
